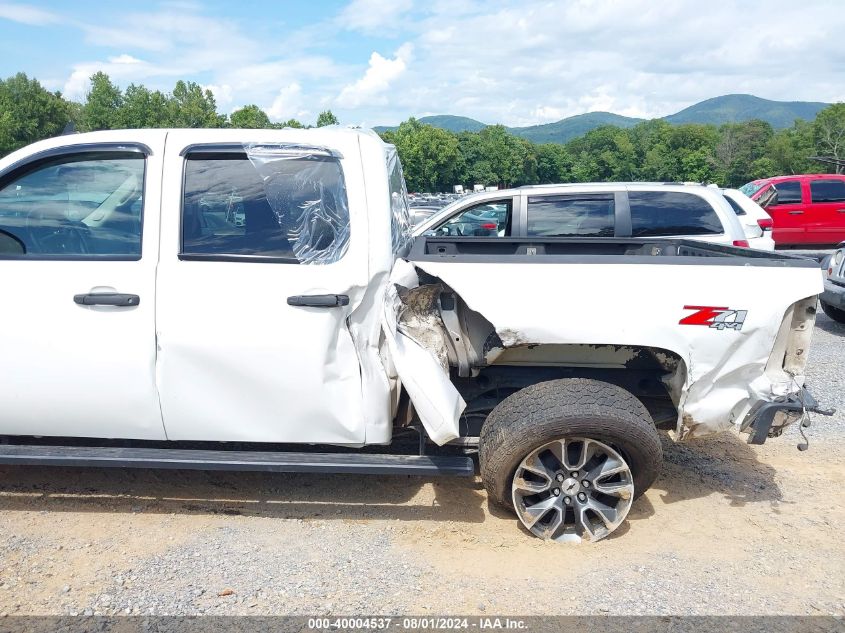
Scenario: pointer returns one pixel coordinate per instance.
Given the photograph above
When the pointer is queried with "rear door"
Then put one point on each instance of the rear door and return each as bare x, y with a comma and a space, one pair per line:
264, 257
825, 218
572, 215
787, 210
79, 235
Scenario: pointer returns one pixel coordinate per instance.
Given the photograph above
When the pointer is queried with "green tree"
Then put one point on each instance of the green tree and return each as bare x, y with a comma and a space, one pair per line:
103, 104
829, 134
789, 150
429, 156
289, 123
28, 113
325, 118
191, 106
554, 163
250, 116
143, 108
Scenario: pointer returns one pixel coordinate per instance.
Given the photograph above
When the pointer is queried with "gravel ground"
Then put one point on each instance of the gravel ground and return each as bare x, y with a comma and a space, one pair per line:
727, 529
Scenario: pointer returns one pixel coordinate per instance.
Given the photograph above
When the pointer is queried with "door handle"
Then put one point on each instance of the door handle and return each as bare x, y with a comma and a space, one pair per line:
796, 212
107, 299
319, 301
840, 210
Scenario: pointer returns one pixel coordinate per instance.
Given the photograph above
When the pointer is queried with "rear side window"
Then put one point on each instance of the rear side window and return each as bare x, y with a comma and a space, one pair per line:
789, 192
571, 216
291, 209
827, 190
77, 206
735, 206
663, 213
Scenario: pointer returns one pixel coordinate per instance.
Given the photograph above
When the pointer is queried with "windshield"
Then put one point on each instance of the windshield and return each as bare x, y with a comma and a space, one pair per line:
750, 188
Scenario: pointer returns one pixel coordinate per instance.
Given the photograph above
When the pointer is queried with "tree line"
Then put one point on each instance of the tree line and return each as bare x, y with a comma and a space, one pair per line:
435, 159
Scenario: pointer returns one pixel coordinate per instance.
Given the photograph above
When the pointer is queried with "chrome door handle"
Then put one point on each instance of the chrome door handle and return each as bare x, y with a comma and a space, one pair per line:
796, 212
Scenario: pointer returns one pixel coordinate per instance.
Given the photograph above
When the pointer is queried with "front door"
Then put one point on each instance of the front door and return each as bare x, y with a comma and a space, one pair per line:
78, 253
826, 222
262, 263
788, 213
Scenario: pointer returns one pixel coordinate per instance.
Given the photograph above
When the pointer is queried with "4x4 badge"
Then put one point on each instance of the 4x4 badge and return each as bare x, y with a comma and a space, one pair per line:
711, 316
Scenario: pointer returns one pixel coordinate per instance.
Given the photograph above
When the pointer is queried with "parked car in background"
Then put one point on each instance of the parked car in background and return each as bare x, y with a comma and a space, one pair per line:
807, 209
756, 223
641, 210
833, 297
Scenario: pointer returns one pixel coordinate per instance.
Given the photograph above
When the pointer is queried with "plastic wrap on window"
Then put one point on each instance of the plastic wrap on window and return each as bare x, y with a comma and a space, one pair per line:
306, 190
400, 214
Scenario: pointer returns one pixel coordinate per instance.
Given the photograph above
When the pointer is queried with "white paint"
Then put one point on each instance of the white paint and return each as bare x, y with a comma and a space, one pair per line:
641, 304
74, 370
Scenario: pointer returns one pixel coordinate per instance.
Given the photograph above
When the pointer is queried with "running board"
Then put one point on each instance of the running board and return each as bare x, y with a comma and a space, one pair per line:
350, 463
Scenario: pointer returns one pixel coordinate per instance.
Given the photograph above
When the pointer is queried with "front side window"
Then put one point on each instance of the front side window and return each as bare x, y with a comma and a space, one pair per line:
488, 219
665, 213
571, 216
827, 190
77, 206
789, 192
288, 208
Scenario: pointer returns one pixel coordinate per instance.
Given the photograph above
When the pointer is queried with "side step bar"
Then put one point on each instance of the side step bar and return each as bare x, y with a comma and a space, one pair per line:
351, 463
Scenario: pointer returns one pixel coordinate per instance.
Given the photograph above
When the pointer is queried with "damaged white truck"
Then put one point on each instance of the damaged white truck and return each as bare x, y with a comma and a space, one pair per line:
255, 300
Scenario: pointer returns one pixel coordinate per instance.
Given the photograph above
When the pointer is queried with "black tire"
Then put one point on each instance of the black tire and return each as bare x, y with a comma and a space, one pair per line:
570, 407
834, 313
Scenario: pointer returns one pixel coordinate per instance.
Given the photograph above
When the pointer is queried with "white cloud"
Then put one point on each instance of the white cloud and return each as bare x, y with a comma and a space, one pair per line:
27, 14
383, 17
121, 69
287, 104
518, 63
222, 94
375, 82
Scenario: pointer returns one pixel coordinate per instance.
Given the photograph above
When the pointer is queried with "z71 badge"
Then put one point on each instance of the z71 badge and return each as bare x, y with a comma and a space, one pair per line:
719, 318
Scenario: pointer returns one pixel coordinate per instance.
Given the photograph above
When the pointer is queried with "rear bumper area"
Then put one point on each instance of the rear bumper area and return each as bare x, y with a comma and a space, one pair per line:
833, 295
769, 419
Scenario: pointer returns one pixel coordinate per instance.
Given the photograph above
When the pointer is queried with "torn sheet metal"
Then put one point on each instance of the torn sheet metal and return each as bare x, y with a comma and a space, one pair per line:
418, 352
307, 192
728, 369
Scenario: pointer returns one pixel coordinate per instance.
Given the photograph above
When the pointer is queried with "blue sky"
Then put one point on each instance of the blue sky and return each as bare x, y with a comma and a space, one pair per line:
379, 61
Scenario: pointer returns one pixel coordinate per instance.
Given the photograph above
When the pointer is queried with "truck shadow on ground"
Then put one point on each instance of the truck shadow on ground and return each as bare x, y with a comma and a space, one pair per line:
723, 464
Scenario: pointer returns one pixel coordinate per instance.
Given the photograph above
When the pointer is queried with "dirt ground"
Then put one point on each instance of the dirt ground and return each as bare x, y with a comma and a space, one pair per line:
727, 529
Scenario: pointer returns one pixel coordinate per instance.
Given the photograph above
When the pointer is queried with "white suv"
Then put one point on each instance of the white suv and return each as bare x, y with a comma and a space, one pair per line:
593, 210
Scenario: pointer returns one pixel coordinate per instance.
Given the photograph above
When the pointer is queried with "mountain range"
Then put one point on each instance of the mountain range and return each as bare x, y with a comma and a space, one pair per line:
716, 111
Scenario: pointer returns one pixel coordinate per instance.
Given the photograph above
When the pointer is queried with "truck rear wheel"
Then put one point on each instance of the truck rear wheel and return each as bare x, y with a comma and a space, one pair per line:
834, 313
569, 457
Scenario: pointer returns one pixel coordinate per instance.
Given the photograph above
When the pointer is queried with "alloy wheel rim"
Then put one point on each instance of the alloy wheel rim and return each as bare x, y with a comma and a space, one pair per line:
573, 489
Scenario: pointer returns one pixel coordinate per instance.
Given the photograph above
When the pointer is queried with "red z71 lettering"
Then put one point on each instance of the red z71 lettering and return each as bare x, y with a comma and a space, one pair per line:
715, 317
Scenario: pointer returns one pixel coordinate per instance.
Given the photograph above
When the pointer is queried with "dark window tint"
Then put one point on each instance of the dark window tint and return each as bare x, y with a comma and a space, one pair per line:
656, 213
81, 206
295, 209
827, 190
571, 216
735, 206
789, 192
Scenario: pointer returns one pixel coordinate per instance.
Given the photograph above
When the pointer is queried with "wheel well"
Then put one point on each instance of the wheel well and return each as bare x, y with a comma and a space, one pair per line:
653, 375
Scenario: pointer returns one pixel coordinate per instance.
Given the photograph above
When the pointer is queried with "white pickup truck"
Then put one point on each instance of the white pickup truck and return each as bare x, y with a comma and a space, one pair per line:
253, 299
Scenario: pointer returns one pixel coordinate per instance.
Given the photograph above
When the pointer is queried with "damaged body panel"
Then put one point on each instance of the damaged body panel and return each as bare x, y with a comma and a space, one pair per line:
567, 312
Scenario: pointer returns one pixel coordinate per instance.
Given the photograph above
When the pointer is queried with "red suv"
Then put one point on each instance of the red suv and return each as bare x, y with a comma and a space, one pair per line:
806, 209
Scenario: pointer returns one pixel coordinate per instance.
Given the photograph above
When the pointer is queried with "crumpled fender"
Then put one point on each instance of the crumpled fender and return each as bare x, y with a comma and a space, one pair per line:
436, 401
